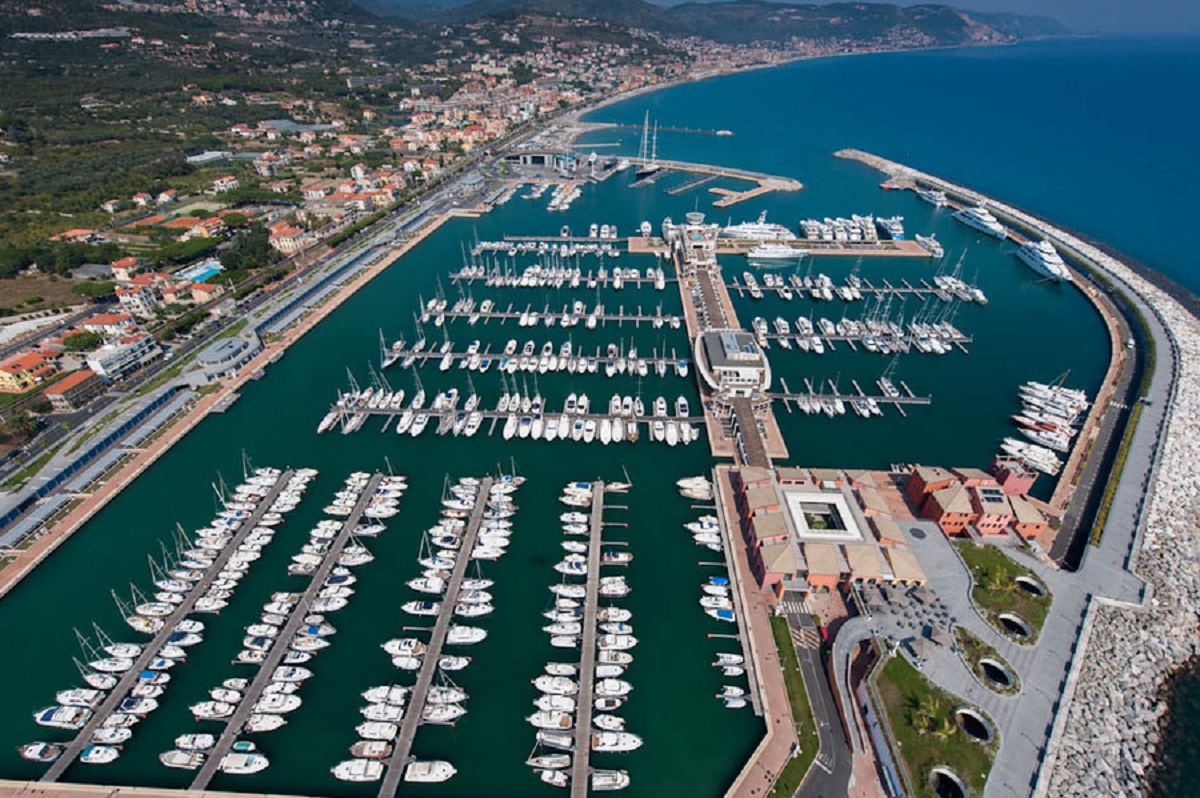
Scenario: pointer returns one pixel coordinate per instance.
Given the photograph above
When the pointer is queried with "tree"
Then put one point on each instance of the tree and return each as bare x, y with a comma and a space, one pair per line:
83, 341
95, 290
23, 423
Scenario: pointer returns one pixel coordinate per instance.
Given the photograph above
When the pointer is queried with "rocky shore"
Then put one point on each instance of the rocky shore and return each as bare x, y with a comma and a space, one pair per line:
1106, 736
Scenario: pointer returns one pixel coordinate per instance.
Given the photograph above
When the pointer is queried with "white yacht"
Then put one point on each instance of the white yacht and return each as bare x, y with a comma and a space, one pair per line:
430, 771
773, 253
981, 219
1044, 259
358, 770
933, 197
759, 230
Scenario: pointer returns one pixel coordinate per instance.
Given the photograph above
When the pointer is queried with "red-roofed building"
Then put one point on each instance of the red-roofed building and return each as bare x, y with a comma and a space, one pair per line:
74, 390
124, 269
110, 324
21, 372
140, 300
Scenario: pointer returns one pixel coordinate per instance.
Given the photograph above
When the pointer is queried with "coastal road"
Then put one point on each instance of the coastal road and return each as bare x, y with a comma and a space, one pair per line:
830, 773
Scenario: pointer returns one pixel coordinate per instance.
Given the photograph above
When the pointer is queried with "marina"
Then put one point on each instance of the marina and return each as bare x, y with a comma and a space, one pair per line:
236, 723
580, 770
150, 651
400, 759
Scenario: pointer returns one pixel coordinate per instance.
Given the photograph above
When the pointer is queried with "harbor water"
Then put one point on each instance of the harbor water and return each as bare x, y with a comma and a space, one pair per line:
1030, 329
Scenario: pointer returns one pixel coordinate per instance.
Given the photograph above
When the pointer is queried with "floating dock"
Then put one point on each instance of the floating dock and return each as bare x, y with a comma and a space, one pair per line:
433, 653
580, 765
150, 650
279, 647
620, 318
425, 355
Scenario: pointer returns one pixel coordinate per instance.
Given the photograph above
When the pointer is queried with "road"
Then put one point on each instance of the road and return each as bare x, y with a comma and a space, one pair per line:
830, 774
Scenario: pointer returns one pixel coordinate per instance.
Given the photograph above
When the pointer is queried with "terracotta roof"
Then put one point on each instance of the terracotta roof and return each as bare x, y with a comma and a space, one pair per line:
768, 525
863, 559
23, 362
779, 558
904, 564
822, 559
70, 381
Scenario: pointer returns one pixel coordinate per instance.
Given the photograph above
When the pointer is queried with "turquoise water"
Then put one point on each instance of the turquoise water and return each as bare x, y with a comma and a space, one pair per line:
693, 747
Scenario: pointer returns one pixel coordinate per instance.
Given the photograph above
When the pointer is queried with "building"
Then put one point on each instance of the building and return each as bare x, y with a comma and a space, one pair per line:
924, 480
1013, 476
993, 513
731, 363
22, 372
110, 325
950, 508
74, 390
1028, 522
124, 269
114, 360
140, 300
226, 183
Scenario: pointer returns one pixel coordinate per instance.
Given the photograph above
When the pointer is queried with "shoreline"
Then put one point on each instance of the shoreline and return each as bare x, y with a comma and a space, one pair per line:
26, 561
1128, 650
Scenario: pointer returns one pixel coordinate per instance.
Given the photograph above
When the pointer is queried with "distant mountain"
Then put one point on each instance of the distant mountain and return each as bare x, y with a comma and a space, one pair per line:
742, 21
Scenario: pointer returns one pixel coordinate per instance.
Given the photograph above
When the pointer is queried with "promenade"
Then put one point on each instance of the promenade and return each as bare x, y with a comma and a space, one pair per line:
1127, 634
24, 561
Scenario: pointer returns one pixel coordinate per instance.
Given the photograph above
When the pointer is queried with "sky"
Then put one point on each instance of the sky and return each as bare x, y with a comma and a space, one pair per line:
1107, 16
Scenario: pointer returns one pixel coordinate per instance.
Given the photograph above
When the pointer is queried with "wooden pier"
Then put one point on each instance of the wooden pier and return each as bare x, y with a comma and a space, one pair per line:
906, 397
580, 765
280, 645
433, 653
151, 649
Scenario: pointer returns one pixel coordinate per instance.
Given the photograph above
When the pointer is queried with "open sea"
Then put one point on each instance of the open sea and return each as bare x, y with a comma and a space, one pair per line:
1031, 124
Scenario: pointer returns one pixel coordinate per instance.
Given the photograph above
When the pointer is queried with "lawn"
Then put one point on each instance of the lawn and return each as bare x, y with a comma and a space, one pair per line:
973, 650
16, 292
922, 719
996, 590
794, 771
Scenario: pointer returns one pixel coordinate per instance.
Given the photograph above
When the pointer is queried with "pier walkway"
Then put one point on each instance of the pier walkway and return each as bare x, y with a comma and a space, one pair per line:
774, 182
425, 355
580, 765
540, 316
151, 649
905, 289
586, 280
433, 653
280, 646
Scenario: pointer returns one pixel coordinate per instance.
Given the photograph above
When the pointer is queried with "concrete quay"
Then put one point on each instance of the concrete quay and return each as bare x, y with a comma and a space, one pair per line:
1131, 639
281, 646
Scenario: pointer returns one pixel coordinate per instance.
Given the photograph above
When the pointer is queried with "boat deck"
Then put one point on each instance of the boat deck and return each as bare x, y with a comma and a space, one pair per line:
279, 647
151, 649
429, 665
581, 764
906, 397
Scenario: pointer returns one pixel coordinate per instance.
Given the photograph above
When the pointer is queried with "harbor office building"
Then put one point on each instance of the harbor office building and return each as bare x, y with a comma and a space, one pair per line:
733, 366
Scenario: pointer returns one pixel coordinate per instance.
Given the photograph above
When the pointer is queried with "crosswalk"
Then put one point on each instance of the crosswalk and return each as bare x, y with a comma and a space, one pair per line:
806, 637
792, 607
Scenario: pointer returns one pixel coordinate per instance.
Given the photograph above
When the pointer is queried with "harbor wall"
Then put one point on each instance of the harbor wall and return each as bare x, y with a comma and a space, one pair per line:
1127, 652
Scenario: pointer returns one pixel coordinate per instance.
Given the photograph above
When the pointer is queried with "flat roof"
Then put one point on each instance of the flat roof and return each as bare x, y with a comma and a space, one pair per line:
812, 511
731, 349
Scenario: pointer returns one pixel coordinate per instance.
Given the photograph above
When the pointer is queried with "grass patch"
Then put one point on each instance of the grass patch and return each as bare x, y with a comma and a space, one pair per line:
1114, 475
159, 380
922, 719
973, 650
794, 771
996, 590
18, 480
91, 433
18, 291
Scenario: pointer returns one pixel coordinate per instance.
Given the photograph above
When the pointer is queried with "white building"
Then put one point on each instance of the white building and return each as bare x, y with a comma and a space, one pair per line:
114, 360
731, 363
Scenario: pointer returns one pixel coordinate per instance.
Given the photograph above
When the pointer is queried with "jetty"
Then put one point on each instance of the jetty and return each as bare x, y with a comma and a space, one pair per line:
539, 317
425, 355
580, 765
280, 645
433, 653
150, 650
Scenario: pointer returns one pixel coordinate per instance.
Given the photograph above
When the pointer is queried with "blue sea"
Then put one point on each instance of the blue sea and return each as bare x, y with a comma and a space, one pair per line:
1097, 134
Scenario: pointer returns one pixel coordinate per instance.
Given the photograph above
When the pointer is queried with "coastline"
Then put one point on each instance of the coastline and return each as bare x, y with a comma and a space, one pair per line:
26, 561
1128, 650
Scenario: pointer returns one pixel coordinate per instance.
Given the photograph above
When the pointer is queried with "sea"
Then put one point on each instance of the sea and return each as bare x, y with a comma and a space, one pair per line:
1031, 124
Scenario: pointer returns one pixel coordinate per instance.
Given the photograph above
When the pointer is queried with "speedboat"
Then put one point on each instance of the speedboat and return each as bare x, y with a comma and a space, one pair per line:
195, 742
429, 771
99, 754
60, 717
370, 749
615, 741
185, 760
243, 764
357, 770
377, 730
609, 780
41, 752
